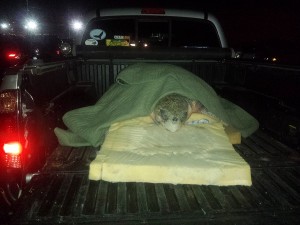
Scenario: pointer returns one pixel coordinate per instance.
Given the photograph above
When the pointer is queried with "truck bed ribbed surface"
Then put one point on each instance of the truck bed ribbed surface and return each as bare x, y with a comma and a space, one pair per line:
63, 194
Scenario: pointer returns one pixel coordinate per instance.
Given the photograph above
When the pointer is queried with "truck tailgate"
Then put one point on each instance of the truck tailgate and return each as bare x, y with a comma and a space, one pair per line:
62, 193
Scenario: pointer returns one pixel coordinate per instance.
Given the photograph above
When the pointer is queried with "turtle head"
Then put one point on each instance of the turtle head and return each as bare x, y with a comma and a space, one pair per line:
171, 120
172, 111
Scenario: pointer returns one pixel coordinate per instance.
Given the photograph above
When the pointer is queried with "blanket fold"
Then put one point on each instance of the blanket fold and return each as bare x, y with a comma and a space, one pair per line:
135, 93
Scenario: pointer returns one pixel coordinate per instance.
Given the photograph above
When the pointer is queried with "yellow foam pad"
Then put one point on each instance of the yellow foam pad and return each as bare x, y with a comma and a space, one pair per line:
200, 152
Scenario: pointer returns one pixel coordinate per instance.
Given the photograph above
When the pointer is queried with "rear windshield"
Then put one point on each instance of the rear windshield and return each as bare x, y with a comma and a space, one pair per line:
152, 32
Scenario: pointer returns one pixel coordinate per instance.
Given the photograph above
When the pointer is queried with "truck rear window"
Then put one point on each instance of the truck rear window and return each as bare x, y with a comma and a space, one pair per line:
194, 34
151, 32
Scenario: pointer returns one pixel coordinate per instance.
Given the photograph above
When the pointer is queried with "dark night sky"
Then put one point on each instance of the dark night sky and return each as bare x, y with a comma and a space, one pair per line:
243, 21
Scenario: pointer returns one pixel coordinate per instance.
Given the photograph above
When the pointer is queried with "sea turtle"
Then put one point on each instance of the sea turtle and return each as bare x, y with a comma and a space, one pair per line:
173, 110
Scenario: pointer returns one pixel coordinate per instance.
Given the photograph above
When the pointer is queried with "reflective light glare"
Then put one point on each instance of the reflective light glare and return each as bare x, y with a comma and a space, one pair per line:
8, 102
31, 25
77, 25
14, 148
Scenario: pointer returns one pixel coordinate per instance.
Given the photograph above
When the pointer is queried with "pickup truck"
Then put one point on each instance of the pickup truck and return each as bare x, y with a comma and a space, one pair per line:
43, 182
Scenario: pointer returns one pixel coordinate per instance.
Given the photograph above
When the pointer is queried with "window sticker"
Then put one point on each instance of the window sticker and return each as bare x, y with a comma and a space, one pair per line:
121, 37
98, 34
91, 42
117, 42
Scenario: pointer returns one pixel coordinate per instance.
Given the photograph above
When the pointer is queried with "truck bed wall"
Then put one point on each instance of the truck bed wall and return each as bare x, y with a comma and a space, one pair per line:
278, 82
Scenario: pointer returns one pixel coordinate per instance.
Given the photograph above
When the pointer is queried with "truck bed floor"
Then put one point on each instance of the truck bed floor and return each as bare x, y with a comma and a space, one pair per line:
63, 194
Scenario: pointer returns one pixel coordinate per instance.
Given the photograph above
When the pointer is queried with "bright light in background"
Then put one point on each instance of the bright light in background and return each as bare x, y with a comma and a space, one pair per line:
4, 26
31, 25
77, 25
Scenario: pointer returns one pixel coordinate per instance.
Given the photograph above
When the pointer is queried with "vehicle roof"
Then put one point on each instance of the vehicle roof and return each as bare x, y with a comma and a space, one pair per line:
179, 13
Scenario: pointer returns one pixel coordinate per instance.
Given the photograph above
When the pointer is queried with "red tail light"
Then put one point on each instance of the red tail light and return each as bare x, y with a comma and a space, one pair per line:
14, 148
12, 155
13, 161
10, 141
12, 152
153, 11
13, 55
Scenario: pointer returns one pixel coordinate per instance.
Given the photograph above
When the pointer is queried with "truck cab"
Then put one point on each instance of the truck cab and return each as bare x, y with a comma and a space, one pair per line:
154, 28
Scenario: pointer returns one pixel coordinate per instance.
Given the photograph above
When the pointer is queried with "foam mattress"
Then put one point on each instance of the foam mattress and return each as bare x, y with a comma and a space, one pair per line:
200, 152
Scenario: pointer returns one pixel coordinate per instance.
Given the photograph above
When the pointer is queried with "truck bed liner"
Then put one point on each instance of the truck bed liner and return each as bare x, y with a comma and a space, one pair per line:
63, 194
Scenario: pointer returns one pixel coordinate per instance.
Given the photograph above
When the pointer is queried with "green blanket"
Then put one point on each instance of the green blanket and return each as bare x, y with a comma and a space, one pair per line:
136, 91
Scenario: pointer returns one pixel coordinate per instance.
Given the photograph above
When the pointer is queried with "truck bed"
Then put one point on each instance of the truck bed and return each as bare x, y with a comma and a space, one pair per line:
62, 193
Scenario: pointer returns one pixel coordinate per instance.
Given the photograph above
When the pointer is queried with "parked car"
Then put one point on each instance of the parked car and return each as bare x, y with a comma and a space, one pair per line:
48, 47
14, 50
